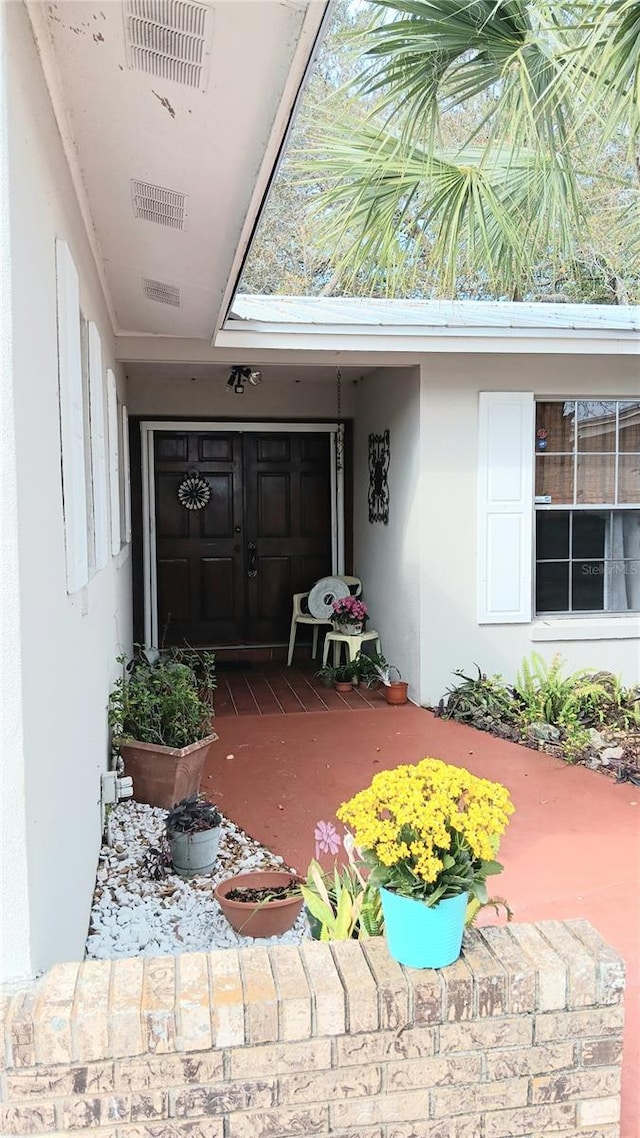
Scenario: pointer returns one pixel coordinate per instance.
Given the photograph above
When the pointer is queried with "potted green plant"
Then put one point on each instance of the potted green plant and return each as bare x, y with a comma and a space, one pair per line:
393, 690
340, 904
368, 665
260, 904
429, 833
193, 833
325, 675
160, 712
343, 677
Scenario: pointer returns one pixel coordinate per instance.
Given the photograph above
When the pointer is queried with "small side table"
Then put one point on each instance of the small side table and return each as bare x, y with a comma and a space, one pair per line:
353, 645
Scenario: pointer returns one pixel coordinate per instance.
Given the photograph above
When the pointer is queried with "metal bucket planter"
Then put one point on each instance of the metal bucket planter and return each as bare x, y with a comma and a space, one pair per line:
194, 854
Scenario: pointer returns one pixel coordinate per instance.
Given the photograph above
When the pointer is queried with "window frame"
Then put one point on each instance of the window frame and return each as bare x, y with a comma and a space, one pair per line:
571, 508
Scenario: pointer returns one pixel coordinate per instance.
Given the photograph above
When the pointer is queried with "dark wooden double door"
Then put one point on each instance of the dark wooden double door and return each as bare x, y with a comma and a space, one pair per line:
226, 572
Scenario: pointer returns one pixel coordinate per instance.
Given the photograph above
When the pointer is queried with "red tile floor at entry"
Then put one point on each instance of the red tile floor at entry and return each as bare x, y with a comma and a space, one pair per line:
571, 850
285, 691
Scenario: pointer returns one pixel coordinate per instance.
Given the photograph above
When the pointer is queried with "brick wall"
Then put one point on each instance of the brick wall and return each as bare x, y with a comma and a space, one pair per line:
522, 1036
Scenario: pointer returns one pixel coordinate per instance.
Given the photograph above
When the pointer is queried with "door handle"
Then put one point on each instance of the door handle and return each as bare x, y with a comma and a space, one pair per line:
252, 566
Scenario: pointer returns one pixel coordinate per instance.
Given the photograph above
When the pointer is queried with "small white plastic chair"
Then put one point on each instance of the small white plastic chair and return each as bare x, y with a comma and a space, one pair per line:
299, 616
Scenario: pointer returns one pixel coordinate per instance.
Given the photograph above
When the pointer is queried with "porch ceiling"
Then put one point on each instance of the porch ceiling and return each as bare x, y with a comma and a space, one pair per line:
202, 137
183, 372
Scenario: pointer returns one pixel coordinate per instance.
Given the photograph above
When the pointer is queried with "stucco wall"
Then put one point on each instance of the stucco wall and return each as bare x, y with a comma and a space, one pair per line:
450, 635
387, 557
62, 649
279, 398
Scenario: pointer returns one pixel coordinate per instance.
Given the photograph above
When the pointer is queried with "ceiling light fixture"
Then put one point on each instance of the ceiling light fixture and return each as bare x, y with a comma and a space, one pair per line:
241, 375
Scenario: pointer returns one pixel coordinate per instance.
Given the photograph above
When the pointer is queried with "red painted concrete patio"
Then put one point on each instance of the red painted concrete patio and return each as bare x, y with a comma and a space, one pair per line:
572, 849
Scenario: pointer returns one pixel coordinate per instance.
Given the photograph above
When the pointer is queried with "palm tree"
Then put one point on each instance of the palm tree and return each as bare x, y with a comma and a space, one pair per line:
494, 125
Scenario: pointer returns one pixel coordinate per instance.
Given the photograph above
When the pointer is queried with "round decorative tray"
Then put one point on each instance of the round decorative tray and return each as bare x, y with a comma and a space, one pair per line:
323, 594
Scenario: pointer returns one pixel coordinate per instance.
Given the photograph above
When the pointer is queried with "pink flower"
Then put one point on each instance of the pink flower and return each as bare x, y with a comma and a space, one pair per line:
350, 609
327, 838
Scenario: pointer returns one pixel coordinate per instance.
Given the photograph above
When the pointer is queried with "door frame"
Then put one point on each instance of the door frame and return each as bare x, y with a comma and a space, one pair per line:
148, 429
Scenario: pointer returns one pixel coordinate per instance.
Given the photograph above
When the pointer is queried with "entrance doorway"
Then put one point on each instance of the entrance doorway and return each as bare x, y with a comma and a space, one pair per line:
224, 570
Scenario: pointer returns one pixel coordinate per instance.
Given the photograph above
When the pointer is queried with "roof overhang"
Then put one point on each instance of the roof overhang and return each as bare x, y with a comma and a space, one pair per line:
417, 327
171, 161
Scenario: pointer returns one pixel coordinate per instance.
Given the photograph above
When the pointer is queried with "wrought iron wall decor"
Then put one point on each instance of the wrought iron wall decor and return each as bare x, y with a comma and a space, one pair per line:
379, 459
194, 492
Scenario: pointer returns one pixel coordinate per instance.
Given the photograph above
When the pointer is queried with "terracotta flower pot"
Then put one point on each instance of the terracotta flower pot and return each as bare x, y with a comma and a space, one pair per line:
395, 693
344, 687
163, 776
251, 918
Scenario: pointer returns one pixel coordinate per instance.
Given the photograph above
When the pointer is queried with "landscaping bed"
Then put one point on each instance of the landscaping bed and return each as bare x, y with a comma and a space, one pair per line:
587, 717
141, 908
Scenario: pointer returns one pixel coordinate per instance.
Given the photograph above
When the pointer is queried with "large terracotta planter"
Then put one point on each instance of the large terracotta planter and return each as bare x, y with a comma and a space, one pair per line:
163, 776
249, 918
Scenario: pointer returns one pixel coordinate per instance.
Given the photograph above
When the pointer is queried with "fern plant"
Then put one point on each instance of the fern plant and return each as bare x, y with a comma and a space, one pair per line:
582, 698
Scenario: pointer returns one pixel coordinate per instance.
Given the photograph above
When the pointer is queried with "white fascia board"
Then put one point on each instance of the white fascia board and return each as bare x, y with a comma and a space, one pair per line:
316, 19
417, 341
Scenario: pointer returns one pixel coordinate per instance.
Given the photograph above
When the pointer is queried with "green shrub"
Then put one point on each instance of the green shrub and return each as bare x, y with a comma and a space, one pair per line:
160, 698
481, 701
543, 694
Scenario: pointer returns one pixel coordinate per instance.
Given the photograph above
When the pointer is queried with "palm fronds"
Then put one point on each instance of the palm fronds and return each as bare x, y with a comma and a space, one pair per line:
511, 195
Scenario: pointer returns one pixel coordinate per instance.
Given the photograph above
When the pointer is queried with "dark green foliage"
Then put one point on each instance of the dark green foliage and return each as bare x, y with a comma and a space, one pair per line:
164, 698
192, 815
584, 697
462, 873
481, 701
343, 674
543, 695
367, 667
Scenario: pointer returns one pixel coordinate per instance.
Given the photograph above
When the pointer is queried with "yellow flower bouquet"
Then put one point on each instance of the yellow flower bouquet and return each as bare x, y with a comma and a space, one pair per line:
429, 834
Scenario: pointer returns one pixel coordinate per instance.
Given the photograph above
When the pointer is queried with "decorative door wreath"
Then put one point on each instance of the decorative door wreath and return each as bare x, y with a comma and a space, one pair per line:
379, 459
194, 492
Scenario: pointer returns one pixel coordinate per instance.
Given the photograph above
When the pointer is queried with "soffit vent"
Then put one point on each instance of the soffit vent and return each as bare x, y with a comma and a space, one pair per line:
153, 203
161, 291
168, 38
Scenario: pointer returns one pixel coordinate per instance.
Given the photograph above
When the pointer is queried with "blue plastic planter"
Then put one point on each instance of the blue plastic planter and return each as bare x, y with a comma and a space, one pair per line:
423, 937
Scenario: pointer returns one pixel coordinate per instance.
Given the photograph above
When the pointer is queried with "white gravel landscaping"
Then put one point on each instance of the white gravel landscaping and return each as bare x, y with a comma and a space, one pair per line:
133, 915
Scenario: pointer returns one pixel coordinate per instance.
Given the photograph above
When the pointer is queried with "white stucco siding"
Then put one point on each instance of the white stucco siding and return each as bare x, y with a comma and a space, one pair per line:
14, 908
387, 557
67, 644
451, 636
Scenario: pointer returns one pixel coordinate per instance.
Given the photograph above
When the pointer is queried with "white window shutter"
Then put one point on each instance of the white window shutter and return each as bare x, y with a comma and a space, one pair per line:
74, 487
505, 506
126, 475
114, 461
98, 450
